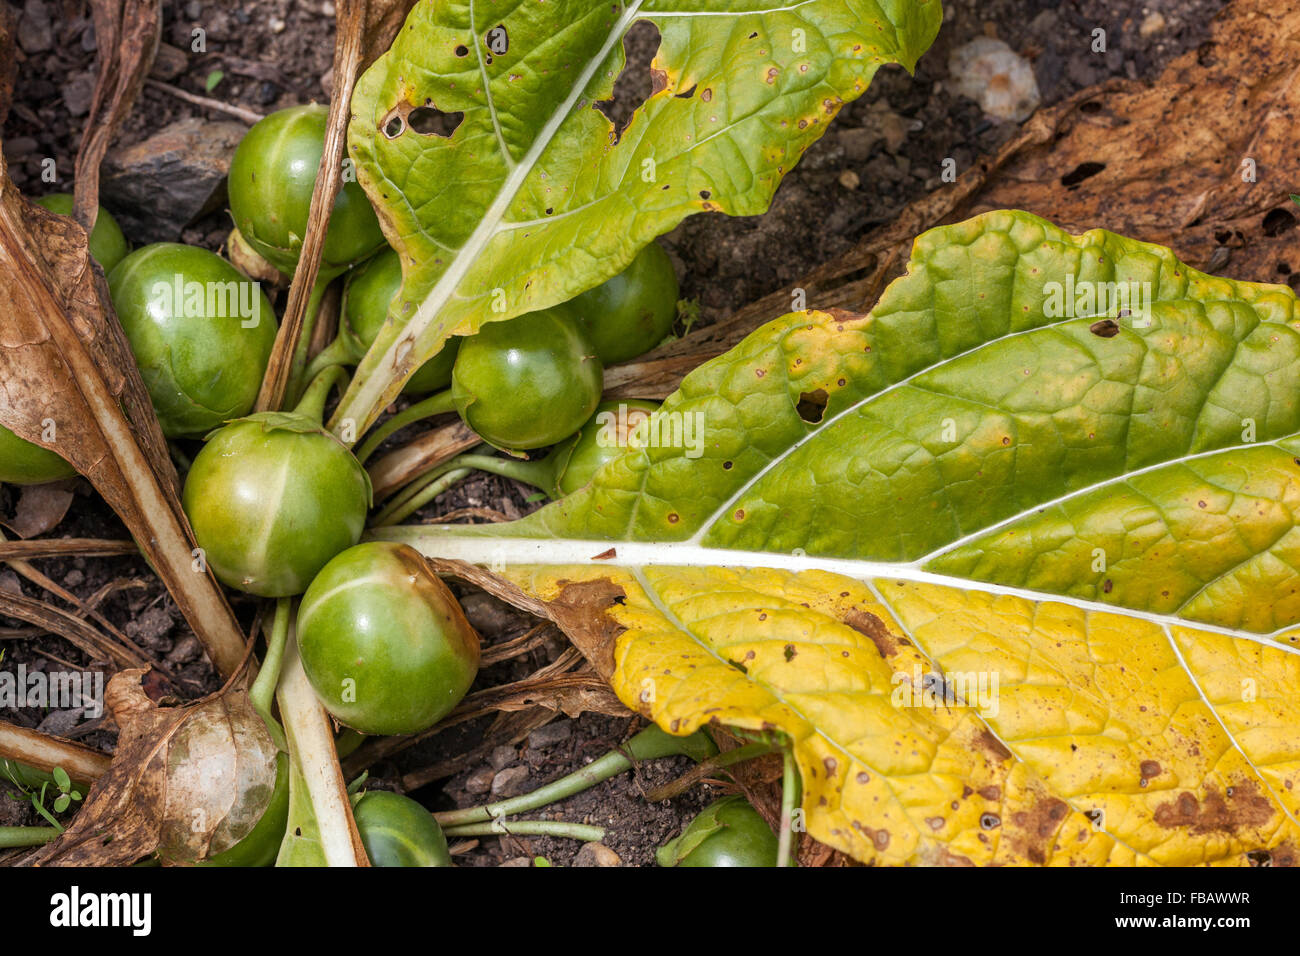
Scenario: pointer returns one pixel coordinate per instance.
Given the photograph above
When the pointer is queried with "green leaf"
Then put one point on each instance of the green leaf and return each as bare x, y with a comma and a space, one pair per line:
534, 198
1090, 506
213, 80
62, 802
61, 778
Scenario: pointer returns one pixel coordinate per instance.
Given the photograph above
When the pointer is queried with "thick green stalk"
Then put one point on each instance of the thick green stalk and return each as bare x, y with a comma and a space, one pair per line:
555, 828
338, 352
312, 403
649, 744
297, 370
262, 693
12, 837
789, 793
417, 494
445, 479
437, 404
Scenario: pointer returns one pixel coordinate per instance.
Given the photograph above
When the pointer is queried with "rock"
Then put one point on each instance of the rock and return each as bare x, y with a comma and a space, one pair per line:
480, 781
849, 179
74, 578
78, 93
186, 650
35, 32
858, 143
157, 187
596, 854
995, 76
489, 616
510, 782
9, 582
194, 9
1153, 24
502, 757
556, 732
169, 63
60, 723
19, 148
150, 627
517, 861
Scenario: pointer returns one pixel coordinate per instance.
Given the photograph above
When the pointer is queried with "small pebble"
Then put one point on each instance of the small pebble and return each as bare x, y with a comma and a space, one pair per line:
74, 578
518, 861
596, 854
1153, 24
502, 757
849, 179
480, 781
277, 25
510, 782
551, 734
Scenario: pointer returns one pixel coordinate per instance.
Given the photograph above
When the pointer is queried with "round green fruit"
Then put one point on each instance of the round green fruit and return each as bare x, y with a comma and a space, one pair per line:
108, 246
527, 382
729, 832
370, 291
202, 334
272, 498
272, 176
606, 435
397, 831
630, 314
383, 641
22, 463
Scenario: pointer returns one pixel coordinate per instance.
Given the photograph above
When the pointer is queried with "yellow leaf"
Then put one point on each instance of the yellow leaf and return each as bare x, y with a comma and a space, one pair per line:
938, 725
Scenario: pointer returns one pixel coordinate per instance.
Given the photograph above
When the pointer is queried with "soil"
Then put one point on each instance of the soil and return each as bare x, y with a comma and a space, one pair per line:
883, 151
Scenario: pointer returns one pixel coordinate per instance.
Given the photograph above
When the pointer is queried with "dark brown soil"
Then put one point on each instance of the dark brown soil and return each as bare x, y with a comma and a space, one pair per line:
274, 53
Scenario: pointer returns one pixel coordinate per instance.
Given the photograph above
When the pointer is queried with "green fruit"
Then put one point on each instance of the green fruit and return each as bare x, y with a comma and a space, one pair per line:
370, 291
108, 246
630, 314
272, 175
397, 831
383, 641
22, 463
529, 381
202, 334
272, 498
261, 845
606, 435
727, 833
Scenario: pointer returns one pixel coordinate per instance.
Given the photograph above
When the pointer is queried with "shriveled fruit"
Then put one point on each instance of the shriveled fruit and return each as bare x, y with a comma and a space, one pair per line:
272, 498
383, 641
201, 332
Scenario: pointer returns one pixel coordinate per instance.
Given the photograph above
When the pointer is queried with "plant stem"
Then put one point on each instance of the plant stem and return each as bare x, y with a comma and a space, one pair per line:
675, 788
338, 352
649, 744
415, 496
789, 791
436, 404
445, 479
262, 693
312, 403
555, 828
11, 837
299, 365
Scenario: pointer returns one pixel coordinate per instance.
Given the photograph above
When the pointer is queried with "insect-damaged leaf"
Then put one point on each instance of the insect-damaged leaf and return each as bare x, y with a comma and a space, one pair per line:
480, 139
186, 782
1019, 591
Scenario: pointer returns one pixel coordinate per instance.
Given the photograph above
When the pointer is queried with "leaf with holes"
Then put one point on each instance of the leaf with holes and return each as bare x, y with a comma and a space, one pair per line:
1013, 559
483, 141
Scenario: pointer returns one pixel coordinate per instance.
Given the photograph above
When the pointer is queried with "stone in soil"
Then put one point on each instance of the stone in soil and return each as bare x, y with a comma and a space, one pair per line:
158, 187
502, 757
550, 734
510, 782
480, 781
596, 854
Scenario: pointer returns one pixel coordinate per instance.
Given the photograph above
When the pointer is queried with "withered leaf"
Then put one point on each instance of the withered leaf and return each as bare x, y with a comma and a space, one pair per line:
186, 782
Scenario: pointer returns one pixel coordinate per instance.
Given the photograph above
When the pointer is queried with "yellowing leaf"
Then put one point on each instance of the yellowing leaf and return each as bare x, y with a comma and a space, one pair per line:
937, 725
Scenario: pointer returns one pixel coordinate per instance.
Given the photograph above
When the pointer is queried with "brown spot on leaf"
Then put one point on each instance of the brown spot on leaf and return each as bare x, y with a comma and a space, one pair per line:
864, 622
1246, 809
987, 741
1106, 328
